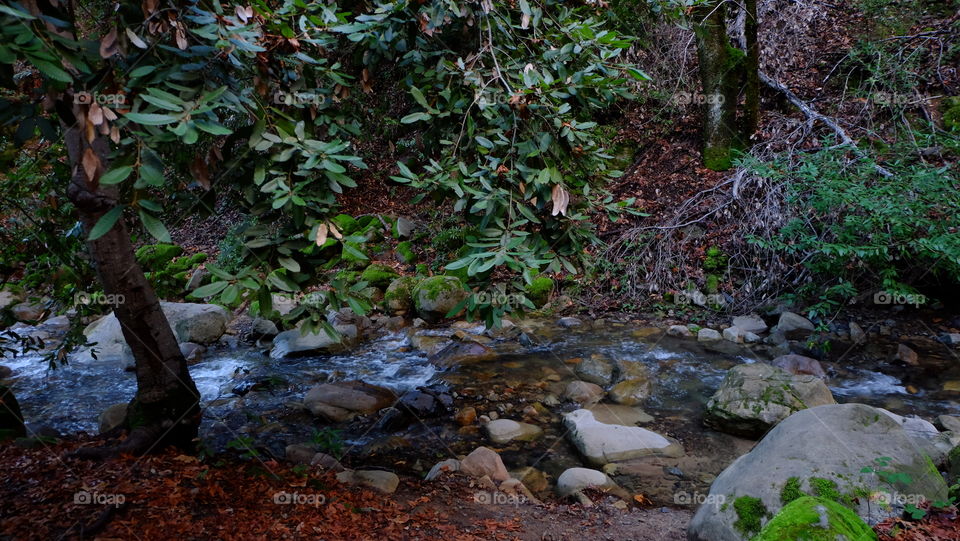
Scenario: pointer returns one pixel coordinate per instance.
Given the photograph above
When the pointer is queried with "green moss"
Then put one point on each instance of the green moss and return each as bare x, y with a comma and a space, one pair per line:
951, 114
815, 519
405, 251
824, 488
750, 512
378, 275
791, 490
717, 159
399, 295
345, 223
154, 257
354, 255
538, 291
712, 284
431, 288
347, 276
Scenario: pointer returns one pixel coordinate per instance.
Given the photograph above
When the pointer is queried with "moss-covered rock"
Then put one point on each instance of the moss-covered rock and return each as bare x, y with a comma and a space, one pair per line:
436, 296
951, 114
378, 275
399, 295
538, 291
815, 519
354, 255
154, 257
405, 252
750, 514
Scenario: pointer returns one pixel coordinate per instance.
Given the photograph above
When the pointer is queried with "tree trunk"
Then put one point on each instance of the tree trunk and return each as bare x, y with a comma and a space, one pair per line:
720, 70
11, 420
165, 410
751, 113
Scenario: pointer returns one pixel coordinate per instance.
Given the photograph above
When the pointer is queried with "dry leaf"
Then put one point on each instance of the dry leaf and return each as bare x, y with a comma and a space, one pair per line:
560, 199
115, 134
321, 234
135, 39
198, 170
181, 39
242, 14
108, 114
108, 45
334, 231
95, 115
524, 21
90, 163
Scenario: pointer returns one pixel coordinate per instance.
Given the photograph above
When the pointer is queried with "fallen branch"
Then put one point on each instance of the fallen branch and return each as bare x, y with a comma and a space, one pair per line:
813, 115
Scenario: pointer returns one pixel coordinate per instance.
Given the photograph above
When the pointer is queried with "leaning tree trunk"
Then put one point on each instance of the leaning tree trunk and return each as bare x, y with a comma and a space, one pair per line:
165, 410
720, 70
751, 89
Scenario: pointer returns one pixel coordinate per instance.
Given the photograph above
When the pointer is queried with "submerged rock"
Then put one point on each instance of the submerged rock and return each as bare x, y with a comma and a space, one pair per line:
459, 352
294, 342
344, 400
503, 431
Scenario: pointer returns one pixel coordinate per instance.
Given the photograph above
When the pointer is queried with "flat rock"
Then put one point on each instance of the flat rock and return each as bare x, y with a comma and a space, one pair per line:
574, 480
750, 323
503, 431
383, 481
601, 443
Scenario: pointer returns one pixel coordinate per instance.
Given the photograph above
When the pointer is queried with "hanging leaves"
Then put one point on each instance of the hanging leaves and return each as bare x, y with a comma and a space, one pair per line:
90, 163
109, 45
560, 198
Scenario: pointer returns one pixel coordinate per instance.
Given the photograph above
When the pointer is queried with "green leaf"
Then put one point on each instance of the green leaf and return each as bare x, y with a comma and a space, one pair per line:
209, 290
289, 263
414, 117
154, 226
417, 95
212, 127
218, 272
151, 119
230, 294
347, 249
116, 176
151, 175
53, 71
484, 142
105, 223
141, 71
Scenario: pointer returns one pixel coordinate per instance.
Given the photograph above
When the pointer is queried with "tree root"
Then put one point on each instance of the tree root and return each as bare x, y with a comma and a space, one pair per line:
813, 115
102, 521
139, 442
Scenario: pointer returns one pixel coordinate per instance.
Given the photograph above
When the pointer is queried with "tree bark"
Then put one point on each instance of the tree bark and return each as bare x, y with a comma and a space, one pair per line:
751, 112
165, 410
720, 69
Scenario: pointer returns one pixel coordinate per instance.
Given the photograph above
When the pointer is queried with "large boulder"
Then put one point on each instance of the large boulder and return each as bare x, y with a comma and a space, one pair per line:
794, 327
399, 295
754, 397
190, 322
294, 342
602, 443
816, 518
436, 296
11, 420
833, 451
345, 400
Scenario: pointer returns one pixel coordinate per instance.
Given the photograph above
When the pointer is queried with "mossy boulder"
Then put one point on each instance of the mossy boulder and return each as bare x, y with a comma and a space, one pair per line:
538, 291
399, 295
154, 257
378, 275
354, 255
405, 252
436, 296
816, 519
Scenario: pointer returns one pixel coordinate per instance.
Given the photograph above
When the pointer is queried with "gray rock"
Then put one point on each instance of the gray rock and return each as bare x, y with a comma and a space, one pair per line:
449, 465
326, 462
399, 295
949, 422
618, 414
833, 442
405, 228
595, 369
383, 481
734, 334
750, 323
461, 352
196, 279
708, 335
293, 342
754, 397
583, 392
263, 328
679, 331
299, 453
112, 417
503, 431
574, 480
794, 327
9, 297
799, 365
344, 400
857, 336
193, 353
28, 311
601, 443
907, 356
484, 461
632, 391
568, 322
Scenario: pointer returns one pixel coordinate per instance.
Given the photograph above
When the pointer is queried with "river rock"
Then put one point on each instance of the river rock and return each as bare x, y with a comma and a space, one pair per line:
503, 431
583, 392
461, 352
466, 416
294, 342
708, 335
436, 296
28, 311
568, 322
833, 442
399, 295
11, 419
754, 397
799, 365
631, 391
679, 331
750, 323
344, 400
734, 334
618, 414
112, 417
596, 369
857, 336
383, 481
484, 461
190, 322
907, 356
531, 478
299, 453
794, 327
263, 328
574, 480
815, 518
449, 465
193, 353
924, 434
949, 422
601, 443
9, 297
5, 372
